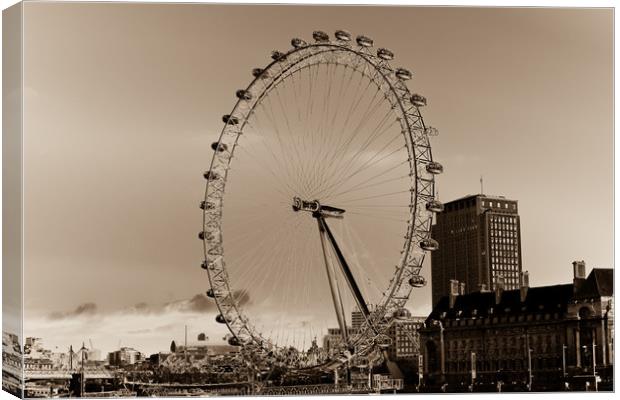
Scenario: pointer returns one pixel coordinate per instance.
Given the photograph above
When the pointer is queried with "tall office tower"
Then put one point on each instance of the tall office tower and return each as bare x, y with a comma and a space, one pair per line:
479, 245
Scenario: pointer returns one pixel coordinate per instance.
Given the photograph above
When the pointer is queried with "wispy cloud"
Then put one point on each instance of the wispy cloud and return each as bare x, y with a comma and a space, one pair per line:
82, 310
197, 304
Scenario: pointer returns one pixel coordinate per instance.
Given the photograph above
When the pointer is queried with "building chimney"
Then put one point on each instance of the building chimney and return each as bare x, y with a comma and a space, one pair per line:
524, 284
579, 274
461, 288
579, 269
499, 288
454, 291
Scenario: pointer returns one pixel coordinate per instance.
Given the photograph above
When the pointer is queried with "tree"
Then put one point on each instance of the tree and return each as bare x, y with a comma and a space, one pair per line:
173, 347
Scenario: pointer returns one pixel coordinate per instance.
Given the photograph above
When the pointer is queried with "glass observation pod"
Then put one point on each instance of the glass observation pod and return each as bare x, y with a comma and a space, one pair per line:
219, 147
220, 318
402, 313
364, 41
320, 36
297, 43
207, 205
417, 281
383, 341
429, 244
434, 167
211, 175
256, 72
233, 341
229, 119
385, 54
430, 131
343, 36
434, 206
278, 55
403, 74
243, 94
418, 100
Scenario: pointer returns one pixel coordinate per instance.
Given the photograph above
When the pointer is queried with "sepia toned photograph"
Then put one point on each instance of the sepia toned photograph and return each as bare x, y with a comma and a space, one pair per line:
285, 200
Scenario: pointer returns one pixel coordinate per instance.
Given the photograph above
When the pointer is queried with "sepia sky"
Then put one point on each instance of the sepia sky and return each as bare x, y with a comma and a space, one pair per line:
123, 101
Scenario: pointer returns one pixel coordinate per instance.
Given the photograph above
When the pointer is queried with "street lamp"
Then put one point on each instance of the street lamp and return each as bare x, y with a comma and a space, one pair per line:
593, 364
529, 369
564, 360
473, 370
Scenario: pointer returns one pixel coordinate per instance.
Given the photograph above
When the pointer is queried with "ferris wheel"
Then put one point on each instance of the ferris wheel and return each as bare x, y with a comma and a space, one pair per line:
318, 203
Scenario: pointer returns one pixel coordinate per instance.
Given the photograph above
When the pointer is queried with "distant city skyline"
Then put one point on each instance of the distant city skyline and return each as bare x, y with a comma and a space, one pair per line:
120, 119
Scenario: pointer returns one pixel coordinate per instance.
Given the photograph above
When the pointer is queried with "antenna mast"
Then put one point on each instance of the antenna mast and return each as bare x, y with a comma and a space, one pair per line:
185, 347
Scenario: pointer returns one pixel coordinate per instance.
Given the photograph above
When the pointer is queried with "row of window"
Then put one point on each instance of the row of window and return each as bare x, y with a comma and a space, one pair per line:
519, 364
495, 233
518, 341
503, 319
504, 260
495, 252
499, 204
503, 219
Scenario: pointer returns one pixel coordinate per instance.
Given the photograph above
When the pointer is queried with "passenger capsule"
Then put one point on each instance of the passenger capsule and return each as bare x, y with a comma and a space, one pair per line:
403, 74
233, 341
220, 318
383, 341
429, 244
320, 36
418, 100
207, 205
297, 43
434, 167
256, 72
204, 265
434, 206
210, 293
430, 131
417, 281
364, 41
343, 36
402, 313
278, 55
230, 120
219, 147
385, 54
243, 94
211, 175
202, 235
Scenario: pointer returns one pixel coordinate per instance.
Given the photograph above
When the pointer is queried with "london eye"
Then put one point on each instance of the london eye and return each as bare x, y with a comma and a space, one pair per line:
318, 203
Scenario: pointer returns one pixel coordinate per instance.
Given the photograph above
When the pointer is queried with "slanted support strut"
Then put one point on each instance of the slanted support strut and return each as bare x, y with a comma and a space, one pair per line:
359, 299
333, 285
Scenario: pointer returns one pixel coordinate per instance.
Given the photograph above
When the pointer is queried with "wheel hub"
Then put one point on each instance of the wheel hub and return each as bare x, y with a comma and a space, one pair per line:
316, 208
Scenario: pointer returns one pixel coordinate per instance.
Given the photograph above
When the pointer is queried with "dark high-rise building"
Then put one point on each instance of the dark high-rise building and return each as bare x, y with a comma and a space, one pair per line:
479, 245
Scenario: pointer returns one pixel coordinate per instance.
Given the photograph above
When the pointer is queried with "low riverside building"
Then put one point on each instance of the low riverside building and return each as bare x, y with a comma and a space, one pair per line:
404, 336
555, 337
124, 356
